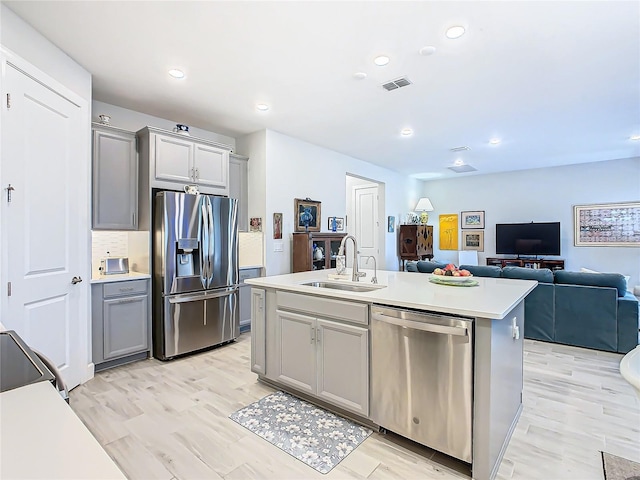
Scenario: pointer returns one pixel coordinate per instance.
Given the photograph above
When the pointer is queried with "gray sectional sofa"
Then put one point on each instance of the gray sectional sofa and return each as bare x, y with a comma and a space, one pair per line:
592, 310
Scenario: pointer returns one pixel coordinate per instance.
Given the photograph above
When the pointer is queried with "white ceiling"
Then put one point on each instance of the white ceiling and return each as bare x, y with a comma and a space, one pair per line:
558, 82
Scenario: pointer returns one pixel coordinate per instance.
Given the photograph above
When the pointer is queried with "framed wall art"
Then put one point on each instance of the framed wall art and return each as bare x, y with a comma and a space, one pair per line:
255, 224
607, 225
307, 215
277, 226
335, 224
473, 219
449, 231
473, 240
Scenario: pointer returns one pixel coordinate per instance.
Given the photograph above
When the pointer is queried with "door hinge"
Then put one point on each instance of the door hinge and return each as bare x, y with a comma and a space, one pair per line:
8, 289
8, 101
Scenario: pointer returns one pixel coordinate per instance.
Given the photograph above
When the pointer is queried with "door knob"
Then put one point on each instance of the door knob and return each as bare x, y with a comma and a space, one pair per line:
75, 280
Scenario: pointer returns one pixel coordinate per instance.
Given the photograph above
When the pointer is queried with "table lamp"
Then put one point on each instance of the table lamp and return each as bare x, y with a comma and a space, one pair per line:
424, 206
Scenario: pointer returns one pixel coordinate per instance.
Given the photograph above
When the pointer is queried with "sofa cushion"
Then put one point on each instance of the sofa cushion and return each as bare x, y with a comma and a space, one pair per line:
425, 266
586, 317
626, 277
542, 275
614, 280
483, 270
411, 266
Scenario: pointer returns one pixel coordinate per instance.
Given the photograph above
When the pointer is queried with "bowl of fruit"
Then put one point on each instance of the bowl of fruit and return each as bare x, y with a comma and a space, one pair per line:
451, 273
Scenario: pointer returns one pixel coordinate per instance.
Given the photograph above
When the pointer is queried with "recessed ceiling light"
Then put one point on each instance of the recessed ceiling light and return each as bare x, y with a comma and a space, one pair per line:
634, 137
406, 132
359, 75
381, 60
428, 50
175, 73
458, 162
495, 141
455, 32
263, 107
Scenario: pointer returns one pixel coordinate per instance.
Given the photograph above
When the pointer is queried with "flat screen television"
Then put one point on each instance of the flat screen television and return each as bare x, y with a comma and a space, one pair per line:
528, 239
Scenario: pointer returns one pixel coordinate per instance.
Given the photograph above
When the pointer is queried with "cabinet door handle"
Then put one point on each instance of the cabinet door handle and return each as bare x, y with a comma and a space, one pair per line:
318, 336
197, 174
312, 334
132, 300
123, 289
193, 174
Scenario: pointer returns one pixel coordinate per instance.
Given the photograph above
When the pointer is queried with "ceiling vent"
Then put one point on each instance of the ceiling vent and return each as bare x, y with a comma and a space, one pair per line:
462, 168
395, 84
460, 149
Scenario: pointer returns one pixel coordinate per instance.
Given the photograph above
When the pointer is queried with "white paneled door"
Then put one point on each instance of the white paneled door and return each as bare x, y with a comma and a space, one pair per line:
44, 221
366, 223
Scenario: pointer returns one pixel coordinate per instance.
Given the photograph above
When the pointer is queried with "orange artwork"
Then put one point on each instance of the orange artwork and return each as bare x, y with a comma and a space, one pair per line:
449, 231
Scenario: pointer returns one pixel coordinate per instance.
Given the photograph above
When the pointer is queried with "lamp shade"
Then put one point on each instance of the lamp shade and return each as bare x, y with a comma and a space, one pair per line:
424, 205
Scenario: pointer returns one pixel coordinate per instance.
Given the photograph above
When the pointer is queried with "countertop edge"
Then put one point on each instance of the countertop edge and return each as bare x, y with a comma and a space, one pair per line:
119, 277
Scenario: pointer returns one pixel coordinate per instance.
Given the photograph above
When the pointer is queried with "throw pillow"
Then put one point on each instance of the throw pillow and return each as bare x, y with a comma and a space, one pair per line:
626, 277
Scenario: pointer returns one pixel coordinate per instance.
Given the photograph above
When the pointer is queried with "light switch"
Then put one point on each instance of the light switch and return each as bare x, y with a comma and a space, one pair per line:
278, 246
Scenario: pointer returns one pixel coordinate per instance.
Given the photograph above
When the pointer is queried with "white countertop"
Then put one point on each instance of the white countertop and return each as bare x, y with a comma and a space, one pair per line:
119, 277
41, 437
492, 298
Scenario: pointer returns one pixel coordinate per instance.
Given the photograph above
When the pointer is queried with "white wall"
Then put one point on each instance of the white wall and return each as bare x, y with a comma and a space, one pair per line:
297, 169
134, 121
540, 195
19, 37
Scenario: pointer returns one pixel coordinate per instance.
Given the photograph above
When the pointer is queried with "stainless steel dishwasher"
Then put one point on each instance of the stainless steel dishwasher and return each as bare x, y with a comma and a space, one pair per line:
422, 377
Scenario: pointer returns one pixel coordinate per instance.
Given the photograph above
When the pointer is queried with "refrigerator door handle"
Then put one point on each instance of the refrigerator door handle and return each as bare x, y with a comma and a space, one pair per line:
204, 244
196, 297
212, 239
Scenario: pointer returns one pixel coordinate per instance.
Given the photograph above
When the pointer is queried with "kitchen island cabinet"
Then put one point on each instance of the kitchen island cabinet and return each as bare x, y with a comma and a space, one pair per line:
292, 314
323, 354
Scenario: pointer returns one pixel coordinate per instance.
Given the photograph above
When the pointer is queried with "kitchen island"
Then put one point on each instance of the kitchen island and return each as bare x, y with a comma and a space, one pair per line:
328, 345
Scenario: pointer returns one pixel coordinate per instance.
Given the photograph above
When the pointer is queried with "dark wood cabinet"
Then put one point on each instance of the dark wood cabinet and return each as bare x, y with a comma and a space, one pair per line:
303, 250
527, 262
415, 242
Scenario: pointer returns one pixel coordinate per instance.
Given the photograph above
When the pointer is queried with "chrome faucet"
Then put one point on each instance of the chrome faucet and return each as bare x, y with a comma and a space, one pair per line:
355, 274
374, 279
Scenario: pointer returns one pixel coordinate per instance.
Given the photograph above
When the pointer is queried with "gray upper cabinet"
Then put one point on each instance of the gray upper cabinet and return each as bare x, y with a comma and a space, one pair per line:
115, 179
238, 188
172, 160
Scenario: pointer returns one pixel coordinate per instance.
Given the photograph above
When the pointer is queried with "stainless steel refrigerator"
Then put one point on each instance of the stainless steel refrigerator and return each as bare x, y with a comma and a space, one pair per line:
195, 272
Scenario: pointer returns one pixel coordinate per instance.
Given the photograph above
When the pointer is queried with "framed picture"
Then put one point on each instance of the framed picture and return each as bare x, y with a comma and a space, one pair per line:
607, 225
277, 226
472, 219
255, 224
473, 240
391, 224
307, 215
449, 231
339, 224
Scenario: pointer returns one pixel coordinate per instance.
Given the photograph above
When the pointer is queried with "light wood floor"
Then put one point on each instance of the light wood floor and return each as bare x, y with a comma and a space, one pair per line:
170, 421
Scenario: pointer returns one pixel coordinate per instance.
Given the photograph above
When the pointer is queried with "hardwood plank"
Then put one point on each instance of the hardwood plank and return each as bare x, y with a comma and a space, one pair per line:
169, 420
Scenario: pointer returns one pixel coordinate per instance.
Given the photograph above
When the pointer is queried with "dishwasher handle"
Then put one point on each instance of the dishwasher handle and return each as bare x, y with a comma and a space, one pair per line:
424, 326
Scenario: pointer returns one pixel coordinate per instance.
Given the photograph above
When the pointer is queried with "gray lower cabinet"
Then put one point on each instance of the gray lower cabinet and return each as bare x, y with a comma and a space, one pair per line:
245, 296
120, 322
325, 358
115, 179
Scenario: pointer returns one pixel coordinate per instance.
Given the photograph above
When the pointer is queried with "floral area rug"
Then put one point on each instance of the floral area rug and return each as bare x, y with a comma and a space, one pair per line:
312, 435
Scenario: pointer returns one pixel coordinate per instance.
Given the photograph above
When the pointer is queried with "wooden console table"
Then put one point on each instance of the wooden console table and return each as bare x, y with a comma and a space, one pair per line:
415, 242
527, 262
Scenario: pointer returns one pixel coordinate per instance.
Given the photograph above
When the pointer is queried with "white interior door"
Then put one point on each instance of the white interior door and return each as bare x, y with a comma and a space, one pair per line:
366, 225
45, 223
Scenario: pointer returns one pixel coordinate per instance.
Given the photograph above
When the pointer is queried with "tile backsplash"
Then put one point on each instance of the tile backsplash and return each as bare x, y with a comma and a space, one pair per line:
105, 244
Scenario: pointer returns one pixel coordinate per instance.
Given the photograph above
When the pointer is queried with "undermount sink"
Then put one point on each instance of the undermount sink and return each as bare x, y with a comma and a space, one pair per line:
350, 287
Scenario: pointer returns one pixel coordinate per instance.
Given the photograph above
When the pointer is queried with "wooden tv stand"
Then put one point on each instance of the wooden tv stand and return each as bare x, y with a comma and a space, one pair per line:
527, 262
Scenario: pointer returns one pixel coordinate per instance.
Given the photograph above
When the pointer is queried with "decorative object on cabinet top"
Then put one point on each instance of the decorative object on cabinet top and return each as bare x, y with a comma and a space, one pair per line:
161, 131
104, 119
182, 129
